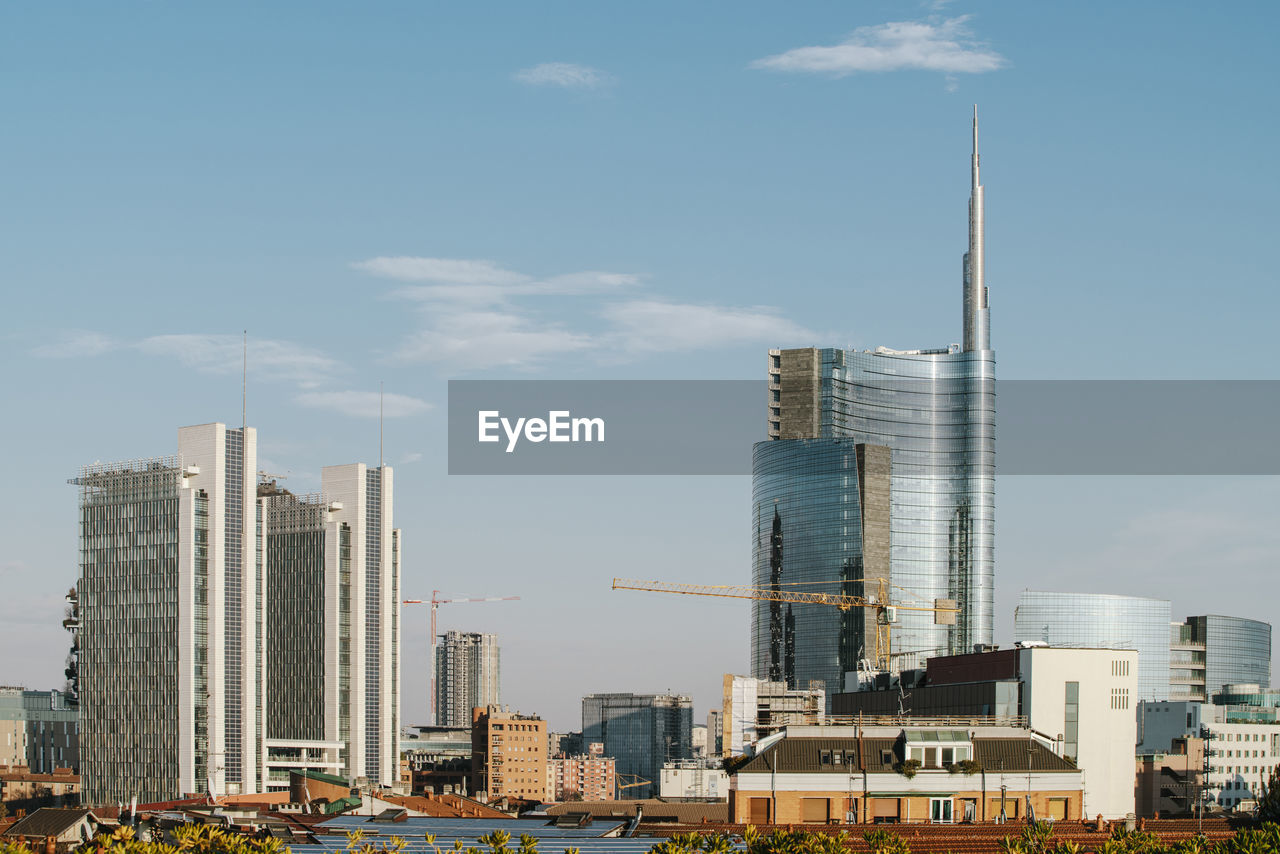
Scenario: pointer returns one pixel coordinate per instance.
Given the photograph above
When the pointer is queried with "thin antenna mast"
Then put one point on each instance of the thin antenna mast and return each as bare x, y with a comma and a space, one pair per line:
379, 423
244, 382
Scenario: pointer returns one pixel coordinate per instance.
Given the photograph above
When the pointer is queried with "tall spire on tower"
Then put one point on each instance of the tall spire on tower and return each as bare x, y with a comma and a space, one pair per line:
977, 329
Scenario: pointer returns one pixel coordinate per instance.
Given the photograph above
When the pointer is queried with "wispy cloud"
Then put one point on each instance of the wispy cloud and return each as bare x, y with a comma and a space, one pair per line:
223, 354
481, 283
75, 344
478, 340
412, 457
945, 45
363, 404
476, 315
455, 271
652, 325
566, 75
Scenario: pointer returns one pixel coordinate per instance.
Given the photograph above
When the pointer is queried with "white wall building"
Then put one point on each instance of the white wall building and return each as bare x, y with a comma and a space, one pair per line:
1086, 701
694, 779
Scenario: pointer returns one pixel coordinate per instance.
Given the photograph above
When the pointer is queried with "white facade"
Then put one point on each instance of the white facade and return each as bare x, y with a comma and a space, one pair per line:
693, 780
1242, 755
1085, 700
361, 498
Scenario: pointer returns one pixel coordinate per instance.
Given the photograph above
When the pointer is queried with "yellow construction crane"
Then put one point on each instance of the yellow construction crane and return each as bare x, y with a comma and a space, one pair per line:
944, 610
636, 780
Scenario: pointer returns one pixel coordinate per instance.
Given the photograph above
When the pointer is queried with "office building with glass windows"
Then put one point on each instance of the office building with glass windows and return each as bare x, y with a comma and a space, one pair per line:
880, 464
198, 624
641, 732
1188, 660
1101, 621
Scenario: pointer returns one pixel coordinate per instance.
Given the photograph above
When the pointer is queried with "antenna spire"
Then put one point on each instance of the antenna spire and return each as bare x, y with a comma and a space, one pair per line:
379, 423
977, 328
244, 382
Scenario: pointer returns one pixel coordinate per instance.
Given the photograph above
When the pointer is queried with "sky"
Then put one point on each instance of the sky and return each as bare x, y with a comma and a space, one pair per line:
407, 193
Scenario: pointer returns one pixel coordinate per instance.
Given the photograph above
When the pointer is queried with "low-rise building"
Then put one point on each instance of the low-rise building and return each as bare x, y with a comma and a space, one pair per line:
587, 777
695, 780
508, 755
39, 729
1241, 730
439, 759
908, 771
1171, 784
19, 783
1082, 700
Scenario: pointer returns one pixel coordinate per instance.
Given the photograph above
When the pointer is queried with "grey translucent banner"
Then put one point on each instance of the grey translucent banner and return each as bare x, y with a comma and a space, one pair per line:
683, 427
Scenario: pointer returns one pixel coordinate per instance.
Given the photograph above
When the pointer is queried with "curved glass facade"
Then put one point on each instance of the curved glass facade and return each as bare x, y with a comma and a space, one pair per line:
1237, 650
1094, 620
807, 531
935, 412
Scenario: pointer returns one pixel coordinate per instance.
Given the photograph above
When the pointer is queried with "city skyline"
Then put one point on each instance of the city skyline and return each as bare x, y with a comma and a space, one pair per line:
414, 195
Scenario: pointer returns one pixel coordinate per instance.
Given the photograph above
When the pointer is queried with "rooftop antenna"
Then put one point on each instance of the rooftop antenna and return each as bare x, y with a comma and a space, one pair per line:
244, 381
379, 423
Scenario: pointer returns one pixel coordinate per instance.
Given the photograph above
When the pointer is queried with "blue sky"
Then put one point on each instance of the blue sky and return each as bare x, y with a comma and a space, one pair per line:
409, 192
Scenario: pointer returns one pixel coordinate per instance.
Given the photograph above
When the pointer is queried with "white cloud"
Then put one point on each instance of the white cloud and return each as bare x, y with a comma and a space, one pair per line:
75, 344
651, 325
947, 46
223, 354
566, 75
474, 319
363, 404
459, 271
476, 340
484, 283
413, 457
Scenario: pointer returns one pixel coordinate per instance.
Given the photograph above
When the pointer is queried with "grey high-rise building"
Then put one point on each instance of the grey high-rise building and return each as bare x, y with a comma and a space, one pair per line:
880, 466
640, 732
468, 676
199, 619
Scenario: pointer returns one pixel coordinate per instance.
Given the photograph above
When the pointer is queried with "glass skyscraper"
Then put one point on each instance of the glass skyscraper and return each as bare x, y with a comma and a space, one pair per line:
1095, 620
1236, 651
640, 732
933, 413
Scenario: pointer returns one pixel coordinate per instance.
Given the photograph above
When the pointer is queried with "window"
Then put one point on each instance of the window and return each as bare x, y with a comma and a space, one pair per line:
940, 810
814, 810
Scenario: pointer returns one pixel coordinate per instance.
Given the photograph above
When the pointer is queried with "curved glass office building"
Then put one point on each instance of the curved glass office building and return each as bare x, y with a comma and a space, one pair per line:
925, 420
1102, 621
1236, 650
